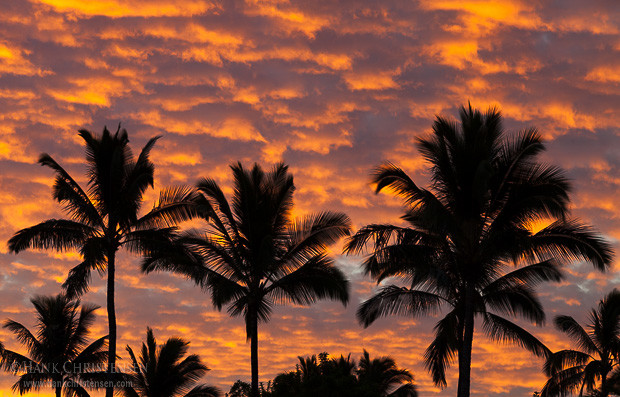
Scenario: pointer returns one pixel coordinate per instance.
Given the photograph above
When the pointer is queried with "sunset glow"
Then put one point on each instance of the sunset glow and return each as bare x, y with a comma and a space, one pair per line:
332, 88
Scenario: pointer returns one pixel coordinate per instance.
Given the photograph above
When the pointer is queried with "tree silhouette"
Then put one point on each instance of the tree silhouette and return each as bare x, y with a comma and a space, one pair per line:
253, 254
598, 355
614, 382
468, 242
58, 352
324, 376
104, 217
240, 389
163, 372
384, 378
342, 377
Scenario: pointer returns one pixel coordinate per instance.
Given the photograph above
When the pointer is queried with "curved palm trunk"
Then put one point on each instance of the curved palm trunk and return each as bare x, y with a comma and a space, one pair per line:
109, 391
466, 347
253, 327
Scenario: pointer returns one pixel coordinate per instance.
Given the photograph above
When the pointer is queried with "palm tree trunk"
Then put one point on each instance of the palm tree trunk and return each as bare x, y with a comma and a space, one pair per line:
109, 391
604, 389
254, 352
466, 346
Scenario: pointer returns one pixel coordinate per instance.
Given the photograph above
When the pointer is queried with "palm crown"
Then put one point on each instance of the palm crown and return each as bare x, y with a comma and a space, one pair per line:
384, 377
105, 216
342, 377
468, 242
59, 353
164, 371
253, 254
598, 355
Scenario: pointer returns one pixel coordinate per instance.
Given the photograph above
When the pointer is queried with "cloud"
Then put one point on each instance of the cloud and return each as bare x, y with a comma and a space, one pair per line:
331, 88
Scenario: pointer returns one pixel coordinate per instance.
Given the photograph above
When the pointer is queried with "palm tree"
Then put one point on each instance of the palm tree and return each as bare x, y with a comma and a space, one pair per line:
319, 375
163, 372
599, 352
342, 377
239, 389
59, 354
104, 217
468, 242
384, 377
254, 255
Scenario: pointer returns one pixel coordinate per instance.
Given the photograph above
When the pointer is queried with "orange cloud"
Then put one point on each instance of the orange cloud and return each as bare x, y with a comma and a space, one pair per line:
124, 8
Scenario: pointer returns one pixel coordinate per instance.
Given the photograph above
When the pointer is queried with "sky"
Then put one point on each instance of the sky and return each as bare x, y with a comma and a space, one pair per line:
332, 88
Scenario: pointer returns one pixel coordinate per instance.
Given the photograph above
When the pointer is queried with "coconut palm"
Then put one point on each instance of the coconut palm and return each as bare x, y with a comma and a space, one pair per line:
384, 377
254, 255
104, 217
239, 389
342, 377
58, 353
583, 370
163, 372
467, 243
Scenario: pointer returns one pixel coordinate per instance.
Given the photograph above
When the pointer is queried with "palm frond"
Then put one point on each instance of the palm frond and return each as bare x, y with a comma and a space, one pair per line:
163, 370
95, 354
571, 327
397, 300
138, 177
68, 192
415, 264
530, 275
175, 205
317, 278
203, 391
25, 337
81, 329
380, 236
538, 191
30, 381
58, 234
406, 390
14, 362
220, 214
147, 242
513, 155
570, 240
502, 330
72, 388
78, 279
388, 175
516, 300
311, 236
562, 359
443, 349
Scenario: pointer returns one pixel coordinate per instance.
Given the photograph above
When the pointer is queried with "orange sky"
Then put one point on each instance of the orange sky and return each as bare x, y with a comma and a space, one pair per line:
330, 87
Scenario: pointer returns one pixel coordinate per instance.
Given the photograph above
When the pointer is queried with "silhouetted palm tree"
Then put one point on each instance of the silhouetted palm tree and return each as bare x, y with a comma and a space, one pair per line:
163, 372
468, 243
104, 217
239, 389
385, 378
254, 255
580, 370
341, 377
59, 354
309, 367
